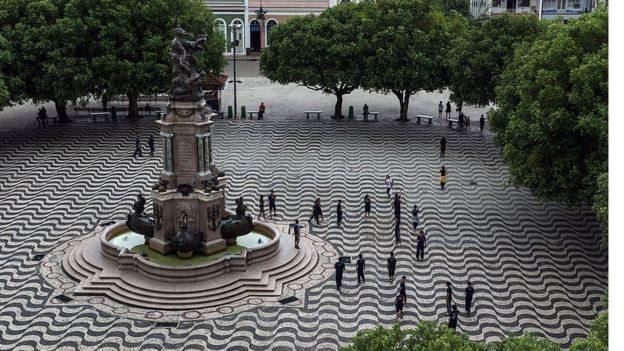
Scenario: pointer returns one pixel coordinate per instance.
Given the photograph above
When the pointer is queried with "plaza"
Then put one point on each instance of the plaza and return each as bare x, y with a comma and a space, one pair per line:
536, 266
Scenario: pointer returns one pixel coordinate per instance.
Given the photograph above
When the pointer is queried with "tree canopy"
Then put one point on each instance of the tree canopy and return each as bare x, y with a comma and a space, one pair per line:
552, 110
62, 50
322, 53
408, 40
479, 54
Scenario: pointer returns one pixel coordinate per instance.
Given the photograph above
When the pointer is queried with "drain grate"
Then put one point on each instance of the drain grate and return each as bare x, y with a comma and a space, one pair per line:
166, 324
288, 300
63, 298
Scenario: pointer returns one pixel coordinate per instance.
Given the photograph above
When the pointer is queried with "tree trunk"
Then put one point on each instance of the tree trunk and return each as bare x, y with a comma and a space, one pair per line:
61, 110
133, 105
403, 97
338, 107
104, 102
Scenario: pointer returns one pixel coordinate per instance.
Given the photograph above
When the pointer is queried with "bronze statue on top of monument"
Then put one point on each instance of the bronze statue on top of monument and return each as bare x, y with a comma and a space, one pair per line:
186, 80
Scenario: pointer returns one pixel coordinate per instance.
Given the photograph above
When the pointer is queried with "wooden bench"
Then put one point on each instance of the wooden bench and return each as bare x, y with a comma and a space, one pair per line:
251, 113
450, 121
370, 113
318, 114
100, 114
430, 118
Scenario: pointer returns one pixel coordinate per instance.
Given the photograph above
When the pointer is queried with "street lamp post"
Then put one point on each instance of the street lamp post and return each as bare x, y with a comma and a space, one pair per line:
235, 28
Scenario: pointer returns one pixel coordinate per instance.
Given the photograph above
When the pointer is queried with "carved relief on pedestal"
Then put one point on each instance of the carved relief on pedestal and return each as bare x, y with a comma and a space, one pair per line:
158, 216
187, 207
214, 217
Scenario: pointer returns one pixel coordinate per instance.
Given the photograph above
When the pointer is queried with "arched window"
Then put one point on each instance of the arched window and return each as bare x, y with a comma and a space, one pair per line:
240, 35
269, 25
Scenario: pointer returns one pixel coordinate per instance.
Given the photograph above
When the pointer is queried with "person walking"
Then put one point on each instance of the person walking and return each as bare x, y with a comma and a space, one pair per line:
261, 212
440, 109
397, 232
148, 109
460, 120
339, 213
360, 269
459, 108
391, 266
297, 231
261, 110
367, 206
397, 206
469, 294
453, 317
339, 266
365, 111
449, 297
403, 289
150, 143
448, 109
442, 147
481, 123
442, 177
137, 149
389, 184
415, 220
315, 211
420, 245
467, 121
399, 301
272, 207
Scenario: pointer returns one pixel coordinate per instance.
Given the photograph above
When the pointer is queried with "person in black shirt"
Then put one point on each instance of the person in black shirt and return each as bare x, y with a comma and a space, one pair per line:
397, 206
454, 314
461, 120
150, 143
449, 297
360, 269
367, 206
403, 289
415, 220
261, 213
339, 213
397, 231
391, 266
481, 123
399, 301
340, 266
137, 149
448, 109
442, 147
272, 208
442, 177
420, 246
297, 229
316, 211
469, 295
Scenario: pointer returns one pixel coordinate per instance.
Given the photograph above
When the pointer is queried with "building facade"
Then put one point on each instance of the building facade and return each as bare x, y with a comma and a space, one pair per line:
255, 31
544, 9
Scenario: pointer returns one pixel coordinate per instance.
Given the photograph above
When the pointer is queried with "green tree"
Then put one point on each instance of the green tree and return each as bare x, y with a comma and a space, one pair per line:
45, 52
322, 53
427, 336
461, 6
5, 58
131, 53
408, 41
598, 338
601, 207
551, 118
478, 55
526, 342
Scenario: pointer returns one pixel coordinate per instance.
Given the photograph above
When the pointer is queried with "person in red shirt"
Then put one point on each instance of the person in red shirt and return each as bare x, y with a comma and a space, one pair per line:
261, 110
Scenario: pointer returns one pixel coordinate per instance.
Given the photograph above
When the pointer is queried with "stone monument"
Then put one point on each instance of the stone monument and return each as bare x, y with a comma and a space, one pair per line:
190, 199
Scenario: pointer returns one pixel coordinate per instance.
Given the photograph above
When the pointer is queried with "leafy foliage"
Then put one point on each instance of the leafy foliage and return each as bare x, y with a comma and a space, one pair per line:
479, 54
461, 6
552, 110
598, 338
322, 52
601, 207
407, 48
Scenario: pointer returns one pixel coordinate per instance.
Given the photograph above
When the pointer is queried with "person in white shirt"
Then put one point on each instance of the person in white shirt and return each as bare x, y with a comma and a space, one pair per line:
389, 184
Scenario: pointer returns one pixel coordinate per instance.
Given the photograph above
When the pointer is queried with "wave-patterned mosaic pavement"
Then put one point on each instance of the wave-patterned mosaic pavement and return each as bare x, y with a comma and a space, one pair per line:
535, 266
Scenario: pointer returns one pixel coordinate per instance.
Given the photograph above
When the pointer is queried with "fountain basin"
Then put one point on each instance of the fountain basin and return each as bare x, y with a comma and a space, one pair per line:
116, 243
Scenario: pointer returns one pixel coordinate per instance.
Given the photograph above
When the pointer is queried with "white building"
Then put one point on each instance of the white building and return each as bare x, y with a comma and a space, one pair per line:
544, 9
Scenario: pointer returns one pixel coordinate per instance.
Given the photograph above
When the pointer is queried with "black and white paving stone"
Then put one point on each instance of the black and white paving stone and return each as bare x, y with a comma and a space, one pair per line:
536, 266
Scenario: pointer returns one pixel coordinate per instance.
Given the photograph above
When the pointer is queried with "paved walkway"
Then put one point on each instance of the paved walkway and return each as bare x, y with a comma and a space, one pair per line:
535, 266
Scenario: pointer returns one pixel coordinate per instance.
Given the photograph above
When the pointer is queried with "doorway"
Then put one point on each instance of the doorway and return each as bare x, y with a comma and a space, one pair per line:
254, 35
